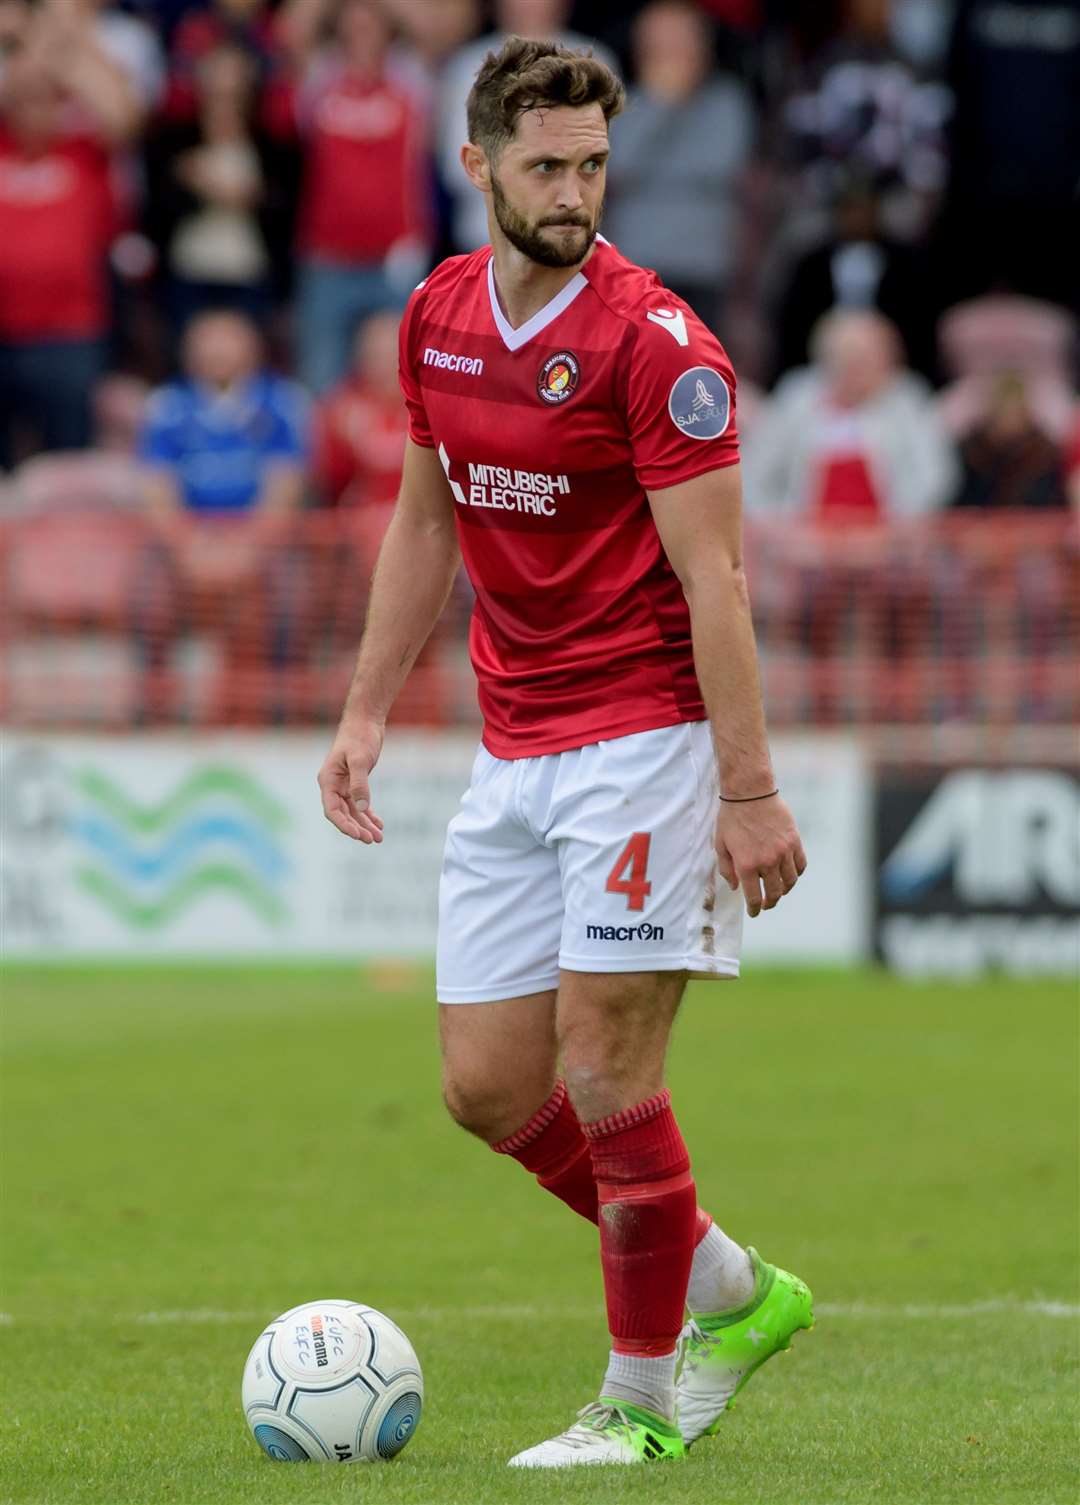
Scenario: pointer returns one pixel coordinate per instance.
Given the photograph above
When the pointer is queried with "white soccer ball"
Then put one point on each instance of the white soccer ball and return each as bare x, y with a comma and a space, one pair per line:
332, 1380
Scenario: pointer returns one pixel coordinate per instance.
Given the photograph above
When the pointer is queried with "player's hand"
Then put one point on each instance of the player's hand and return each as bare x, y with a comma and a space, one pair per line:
759, 848
343, 781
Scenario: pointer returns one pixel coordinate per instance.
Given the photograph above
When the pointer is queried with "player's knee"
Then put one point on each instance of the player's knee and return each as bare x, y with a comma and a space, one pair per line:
597, 1088
486, 1109
597, 1065
607, 1072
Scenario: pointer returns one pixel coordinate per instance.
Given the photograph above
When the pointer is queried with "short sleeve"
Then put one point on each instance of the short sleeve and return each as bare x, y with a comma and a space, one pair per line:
159, 438
290, 435
680, 398
419, 429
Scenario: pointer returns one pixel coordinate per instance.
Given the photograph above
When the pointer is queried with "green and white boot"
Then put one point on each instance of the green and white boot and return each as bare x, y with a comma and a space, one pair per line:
608, 1431
721, 1350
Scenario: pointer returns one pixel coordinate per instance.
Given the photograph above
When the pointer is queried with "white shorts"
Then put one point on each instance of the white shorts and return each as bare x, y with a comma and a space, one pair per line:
599, 859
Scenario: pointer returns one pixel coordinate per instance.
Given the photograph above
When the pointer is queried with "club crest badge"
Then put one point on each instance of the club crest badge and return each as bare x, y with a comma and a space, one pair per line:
558, 377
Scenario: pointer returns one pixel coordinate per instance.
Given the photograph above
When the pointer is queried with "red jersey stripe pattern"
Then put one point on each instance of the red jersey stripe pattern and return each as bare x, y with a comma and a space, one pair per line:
550, 437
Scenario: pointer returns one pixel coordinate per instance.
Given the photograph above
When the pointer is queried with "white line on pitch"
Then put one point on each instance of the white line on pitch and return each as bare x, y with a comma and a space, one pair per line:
909, 1311
917, 1310
905, 1311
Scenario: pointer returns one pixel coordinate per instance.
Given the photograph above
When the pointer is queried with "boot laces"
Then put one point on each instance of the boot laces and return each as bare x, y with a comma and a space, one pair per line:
696, 1343
598, 1416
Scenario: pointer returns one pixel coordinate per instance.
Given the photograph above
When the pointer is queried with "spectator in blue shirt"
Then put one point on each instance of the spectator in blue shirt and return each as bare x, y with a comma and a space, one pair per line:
230, 438
224, 454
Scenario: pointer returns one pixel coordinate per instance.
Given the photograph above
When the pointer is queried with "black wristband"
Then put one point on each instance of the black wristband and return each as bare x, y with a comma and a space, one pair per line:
749, 799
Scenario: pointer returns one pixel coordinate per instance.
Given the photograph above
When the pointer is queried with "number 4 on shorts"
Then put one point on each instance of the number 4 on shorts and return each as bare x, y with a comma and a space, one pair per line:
635, 857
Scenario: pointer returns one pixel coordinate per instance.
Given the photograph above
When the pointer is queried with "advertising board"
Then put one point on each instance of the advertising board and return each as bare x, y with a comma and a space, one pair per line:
215, 846
168, 845
978, 869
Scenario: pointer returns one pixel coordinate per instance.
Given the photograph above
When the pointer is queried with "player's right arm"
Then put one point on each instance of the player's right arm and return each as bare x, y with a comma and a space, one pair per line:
415, 571
681, 421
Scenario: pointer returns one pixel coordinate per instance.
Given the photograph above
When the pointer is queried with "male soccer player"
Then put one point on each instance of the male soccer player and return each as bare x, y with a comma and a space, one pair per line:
572, 437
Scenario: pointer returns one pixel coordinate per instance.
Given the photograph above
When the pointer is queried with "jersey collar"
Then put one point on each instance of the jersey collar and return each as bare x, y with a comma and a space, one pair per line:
512, 338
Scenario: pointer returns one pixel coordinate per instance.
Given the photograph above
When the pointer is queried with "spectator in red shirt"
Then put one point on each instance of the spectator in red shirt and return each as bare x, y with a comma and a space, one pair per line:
364, 211
360, 426
358, 445
61, 110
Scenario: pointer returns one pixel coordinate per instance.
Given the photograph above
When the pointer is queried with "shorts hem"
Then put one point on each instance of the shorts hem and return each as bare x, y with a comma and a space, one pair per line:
498, 993
697, 966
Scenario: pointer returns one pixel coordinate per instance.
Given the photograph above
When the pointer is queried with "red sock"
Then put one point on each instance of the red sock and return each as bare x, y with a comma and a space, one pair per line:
648, 1223
553, 1147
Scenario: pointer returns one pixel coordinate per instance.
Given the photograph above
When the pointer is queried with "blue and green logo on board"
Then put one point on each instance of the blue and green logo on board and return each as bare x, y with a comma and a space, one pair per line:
218, 831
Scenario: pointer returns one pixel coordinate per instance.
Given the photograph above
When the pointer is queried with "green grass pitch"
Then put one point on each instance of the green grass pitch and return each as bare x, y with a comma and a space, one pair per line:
189, 1151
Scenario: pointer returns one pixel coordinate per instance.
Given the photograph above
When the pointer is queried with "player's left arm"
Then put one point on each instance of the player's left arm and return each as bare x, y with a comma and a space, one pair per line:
700, 527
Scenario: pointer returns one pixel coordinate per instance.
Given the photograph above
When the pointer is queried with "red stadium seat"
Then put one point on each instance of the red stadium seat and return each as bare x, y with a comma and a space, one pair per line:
74, 567
68, 582
987, 337
77, 479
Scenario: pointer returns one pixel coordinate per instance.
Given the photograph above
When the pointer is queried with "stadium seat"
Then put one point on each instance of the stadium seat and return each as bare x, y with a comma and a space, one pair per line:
68, 582
985, 338
1006, 333
77, 479
74, 566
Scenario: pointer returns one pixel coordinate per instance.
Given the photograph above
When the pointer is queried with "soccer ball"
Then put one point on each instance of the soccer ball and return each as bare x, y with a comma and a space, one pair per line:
332, 1380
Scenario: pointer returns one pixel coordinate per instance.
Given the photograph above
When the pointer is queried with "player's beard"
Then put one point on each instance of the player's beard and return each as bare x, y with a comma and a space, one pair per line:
529, 239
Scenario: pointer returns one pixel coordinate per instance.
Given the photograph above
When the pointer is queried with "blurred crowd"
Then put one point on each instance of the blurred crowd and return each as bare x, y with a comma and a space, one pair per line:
213, 211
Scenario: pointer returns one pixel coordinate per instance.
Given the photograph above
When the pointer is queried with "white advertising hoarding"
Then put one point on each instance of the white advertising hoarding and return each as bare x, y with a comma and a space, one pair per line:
204, 845
215, 845
827, 782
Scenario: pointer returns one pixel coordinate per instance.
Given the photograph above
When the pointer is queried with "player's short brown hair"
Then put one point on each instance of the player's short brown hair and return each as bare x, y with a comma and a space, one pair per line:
525, 75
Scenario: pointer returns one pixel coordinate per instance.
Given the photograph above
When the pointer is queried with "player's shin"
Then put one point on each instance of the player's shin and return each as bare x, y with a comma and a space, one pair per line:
648, 1226
552, 1146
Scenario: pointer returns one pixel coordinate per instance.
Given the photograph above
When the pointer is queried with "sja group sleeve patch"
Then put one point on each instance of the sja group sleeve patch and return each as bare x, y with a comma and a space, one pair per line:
699, 403
681, 403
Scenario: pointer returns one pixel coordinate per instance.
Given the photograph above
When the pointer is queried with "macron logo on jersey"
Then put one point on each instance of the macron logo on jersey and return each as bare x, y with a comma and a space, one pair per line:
674, 321
469, 365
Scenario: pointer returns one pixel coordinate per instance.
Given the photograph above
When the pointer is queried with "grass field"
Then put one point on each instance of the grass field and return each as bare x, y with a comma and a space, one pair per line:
187, 1152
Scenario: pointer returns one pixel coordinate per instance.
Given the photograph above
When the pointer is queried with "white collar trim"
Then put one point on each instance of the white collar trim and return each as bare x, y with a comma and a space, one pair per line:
513, 338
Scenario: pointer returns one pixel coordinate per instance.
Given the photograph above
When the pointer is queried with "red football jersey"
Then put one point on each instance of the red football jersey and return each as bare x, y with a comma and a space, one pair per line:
549, 435
365, 176
58, 214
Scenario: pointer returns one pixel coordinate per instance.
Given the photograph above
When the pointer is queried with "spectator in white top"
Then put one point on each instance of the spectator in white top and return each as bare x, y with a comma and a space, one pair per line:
538, 20
853, 437
842, 447
679, 150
